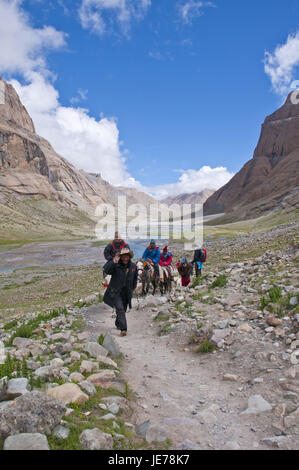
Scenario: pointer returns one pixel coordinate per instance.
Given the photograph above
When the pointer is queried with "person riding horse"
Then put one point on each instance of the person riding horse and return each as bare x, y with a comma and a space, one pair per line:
166, 261
153, 254
115, 247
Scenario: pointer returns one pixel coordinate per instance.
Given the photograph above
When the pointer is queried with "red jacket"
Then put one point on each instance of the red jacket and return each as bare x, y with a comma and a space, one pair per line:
166, 260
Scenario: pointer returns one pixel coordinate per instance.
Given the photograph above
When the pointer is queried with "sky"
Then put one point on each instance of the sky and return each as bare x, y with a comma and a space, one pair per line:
167, 96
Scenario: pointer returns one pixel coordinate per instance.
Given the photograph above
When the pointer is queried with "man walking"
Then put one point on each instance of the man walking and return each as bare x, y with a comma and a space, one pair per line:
122, 285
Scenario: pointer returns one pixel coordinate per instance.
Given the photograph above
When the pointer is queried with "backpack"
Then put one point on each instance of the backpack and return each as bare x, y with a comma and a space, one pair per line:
202, 256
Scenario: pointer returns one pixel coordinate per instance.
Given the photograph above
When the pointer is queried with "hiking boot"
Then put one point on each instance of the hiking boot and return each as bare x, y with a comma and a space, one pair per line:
123, 333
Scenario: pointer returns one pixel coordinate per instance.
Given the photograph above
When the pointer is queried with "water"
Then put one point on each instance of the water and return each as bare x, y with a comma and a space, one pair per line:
59, 253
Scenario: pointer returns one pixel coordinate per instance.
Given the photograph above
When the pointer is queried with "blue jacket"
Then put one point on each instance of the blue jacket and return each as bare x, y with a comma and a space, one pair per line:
154, 255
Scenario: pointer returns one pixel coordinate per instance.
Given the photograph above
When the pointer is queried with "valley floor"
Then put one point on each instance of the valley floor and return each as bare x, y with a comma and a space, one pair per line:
214, 366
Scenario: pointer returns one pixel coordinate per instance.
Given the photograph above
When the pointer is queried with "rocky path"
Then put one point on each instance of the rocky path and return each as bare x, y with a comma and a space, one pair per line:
187, 394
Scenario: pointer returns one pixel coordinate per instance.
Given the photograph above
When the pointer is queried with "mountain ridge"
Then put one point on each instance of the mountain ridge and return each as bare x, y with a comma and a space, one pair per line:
271, 178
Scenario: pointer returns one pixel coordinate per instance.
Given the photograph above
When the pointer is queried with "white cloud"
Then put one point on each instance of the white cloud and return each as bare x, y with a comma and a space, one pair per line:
192, 9
99, 15
86, 142
82, 96
23, 47
280, 66
192, 181
89, 144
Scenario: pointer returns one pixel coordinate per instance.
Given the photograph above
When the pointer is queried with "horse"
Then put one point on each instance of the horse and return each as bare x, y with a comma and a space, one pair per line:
147, 276
143, 276
166, 284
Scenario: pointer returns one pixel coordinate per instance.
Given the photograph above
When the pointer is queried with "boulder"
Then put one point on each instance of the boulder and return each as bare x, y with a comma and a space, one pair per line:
88, 388
76, 377
94, 439
34, 412
22, 343
87, 367
102, 379
257, 404
28, 441
110, 344
68, 393
14, 388
95, 350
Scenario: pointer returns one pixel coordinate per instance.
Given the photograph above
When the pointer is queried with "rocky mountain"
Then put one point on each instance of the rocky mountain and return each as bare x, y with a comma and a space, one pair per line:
271, 179
31, 169
193, 198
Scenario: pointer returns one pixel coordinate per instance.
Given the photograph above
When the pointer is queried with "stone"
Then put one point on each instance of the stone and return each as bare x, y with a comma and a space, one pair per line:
245, 328
75, 356
57, 363
189, 445
155, 433
28, 441
230, 378
142, 428
102, 379
273, 321
293, 301
219, 335
122, 402
34, 412
257, 404
95, 350
274, 441
232, 445
68, 393
107, 417
61, 433
295, 357
88, 388
292, 419
114, 408
87, 367
76, 377
107, 361
94, 439
22, 343
111, 345
14, 388
47, 372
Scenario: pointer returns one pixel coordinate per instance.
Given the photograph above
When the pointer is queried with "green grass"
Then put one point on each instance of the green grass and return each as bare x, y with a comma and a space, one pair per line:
101, 339
10, 325
221, 281
161, 318
100, 243
26, 330
206, 348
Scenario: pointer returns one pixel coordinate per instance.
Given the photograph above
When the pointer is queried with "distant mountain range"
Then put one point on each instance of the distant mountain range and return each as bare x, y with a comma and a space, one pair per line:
30, 168
192, 198
37, 184
271, 179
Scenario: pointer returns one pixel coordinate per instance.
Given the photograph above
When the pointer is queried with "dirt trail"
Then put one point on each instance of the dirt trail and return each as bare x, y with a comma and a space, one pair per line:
182, 391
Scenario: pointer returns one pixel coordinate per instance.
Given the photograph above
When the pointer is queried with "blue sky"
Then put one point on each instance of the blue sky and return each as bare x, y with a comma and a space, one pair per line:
168, 84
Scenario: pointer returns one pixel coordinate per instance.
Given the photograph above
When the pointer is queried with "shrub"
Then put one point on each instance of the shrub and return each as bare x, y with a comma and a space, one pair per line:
206, 348
221, 281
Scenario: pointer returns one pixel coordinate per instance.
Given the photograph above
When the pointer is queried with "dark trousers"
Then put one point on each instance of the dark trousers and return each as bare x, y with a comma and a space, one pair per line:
121, 321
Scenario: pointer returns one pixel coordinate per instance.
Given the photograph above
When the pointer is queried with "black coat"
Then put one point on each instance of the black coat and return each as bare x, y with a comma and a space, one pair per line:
123, 281
111, 249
